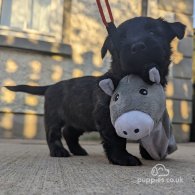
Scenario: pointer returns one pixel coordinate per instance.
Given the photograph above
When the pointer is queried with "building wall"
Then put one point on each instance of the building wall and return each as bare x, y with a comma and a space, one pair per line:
21, 114
179, 89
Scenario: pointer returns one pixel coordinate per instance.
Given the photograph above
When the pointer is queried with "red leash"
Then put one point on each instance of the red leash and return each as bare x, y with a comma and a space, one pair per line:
102, 12
110, 26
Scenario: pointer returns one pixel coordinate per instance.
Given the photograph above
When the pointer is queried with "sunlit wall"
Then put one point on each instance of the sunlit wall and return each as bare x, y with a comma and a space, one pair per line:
21, 114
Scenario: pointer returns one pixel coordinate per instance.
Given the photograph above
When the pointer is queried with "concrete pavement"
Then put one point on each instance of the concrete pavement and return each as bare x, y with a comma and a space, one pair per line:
26, 168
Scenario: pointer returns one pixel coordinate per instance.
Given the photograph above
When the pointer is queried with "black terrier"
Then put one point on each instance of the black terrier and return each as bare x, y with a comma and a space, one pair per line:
78, 105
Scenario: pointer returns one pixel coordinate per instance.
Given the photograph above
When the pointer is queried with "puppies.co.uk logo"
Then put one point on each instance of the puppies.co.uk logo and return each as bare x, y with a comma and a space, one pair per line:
160, 174
159, 170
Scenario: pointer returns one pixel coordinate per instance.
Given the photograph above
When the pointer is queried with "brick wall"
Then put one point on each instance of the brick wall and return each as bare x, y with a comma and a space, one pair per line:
21, 114
179, 89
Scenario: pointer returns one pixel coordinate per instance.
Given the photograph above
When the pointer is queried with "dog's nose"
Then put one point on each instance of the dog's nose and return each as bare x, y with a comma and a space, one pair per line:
136, 47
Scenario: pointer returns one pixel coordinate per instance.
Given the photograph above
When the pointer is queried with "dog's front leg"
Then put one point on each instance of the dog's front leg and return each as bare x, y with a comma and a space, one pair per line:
115, 149
114, 146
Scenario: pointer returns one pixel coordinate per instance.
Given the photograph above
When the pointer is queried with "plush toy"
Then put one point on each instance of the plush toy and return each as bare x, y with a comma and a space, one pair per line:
138, 112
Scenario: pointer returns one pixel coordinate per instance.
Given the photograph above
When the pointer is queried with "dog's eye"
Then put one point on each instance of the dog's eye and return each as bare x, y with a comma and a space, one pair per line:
143, 91
152, 33
116, 97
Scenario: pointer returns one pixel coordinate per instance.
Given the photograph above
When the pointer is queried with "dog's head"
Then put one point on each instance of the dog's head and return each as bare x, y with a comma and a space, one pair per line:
144, 41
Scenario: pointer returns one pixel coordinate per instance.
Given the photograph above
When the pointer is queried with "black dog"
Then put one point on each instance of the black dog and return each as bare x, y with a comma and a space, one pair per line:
79, 105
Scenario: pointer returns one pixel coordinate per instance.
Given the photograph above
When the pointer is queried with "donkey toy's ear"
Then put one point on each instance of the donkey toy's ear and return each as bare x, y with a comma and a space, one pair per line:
107, 86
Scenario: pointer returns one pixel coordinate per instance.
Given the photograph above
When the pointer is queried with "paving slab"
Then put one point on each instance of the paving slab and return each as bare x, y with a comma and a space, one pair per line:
26, 168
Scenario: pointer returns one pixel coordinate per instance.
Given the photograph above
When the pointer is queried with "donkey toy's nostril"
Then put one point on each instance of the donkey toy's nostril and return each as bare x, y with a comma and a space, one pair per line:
125, 132
136, 130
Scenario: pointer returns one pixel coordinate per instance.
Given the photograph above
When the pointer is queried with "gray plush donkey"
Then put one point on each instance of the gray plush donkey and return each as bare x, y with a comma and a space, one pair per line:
138, 112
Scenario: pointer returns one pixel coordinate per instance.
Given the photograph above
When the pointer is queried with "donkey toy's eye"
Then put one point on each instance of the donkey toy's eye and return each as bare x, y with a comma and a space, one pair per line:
116, 97
143, 91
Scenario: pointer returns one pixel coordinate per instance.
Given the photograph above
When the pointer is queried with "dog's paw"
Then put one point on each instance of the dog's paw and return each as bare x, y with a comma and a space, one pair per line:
125, 160
79, 151
59, 152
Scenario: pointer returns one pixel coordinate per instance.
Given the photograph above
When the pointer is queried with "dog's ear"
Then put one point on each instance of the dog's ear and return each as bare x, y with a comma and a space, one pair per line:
107, 86
109, 46
105, 47
175, 29
178, 29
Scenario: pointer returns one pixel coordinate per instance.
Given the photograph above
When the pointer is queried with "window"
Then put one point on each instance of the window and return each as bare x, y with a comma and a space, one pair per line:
35, 19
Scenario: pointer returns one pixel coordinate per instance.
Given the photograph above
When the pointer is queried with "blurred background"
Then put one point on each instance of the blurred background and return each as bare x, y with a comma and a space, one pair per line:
45, 41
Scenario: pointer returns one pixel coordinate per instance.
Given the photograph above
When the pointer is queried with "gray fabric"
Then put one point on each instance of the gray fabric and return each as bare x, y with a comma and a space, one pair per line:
160, 140
107, 86
154, 75
127, 127
130, 99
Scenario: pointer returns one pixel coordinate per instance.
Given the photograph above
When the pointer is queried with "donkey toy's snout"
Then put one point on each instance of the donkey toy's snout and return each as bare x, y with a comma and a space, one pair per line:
134, 125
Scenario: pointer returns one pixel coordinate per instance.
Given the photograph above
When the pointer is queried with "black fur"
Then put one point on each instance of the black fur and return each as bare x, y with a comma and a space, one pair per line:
78, 105
29, 89
156, 35
144, 153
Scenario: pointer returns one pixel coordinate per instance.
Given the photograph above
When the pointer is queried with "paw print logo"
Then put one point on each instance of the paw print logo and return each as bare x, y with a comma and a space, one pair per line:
160, 170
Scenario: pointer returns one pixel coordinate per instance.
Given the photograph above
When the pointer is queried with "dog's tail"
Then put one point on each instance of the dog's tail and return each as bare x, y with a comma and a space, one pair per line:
35, 90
